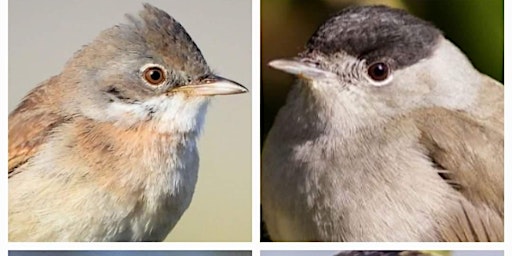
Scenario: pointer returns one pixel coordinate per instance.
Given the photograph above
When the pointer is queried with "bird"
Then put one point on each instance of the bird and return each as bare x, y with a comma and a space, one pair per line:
107, 149
388, 133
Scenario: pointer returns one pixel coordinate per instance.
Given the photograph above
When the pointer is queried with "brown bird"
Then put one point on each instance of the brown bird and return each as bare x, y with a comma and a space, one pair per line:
388, 134
106, 150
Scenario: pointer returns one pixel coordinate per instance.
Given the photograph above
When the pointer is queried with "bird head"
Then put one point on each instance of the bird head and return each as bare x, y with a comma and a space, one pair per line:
370, 62
148, 69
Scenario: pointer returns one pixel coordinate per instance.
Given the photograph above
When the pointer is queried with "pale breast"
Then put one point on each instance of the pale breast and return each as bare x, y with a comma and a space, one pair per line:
112, 184
325, 189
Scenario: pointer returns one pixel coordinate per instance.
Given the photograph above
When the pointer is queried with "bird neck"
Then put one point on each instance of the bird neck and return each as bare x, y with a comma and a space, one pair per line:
322, 110
176, 114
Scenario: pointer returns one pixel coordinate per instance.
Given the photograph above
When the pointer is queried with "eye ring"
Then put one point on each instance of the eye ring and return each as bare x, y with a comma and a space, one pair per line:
154, 75
379, 71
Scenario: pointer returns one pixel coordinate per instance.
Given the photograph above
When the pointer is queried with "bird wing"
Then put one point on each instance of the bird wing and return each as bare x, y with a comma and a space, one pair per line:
30, 124
469, 156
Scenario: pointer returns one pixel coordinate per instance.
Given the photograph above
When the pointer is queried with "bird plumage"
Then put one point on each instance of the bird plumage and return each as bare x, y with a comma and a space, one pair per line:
416, 157
101, 153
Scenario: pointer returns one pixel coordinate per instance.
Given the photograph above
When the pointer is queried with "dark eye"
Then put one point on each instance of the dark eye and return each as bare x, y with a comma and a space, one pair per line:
154, 75
379, 71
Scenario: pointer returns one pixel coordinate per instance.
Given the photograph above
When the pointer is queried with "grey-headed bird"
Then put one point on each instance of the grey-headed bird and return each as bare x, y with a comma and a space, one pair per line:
388, 134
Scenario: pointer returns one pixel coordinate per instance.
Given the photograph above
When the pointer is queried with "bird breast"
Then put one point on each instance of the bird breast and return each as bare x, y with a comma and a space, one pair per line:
132, 184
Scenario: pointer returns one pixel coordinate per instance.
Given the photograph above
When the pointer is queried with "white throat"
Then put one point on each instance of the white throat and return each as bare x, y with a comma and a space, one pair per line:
176, 114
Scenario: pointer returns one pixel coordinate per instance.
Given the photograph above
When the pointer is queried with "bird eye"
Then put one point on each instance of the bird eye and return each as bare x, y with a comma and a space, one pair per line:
154, 75
379, 71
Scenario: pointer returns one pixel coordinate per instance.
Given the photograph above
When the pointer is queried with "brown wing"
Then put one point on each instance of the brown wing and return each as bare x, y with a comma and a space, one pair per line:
469, 155
31, 123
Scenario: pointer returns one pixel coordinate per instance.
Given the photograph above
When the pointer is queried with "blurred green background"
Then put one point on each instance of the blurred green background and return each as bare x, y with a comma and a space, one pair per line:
475, 26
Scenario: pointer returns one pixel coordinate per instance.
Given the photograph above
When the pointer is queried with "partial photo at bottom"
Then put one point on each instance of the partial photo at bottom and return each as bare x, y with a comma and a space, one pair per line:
130, 253
383, 253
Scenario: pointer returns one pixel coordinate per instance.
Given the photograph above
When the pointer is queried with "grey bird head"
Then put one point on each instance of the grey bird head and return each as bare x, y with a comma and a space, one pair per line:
142, 69
380, 60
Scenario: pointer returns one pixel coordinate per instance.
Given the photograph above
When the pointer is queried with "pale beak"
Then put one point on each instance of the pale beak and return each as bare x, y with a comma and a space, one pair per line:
301, 69
212, 85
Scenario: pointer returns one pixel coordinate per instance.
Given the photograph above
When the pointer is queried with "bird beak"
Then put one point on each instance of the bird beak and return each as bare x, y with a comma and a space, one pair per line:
300, 68
212, 85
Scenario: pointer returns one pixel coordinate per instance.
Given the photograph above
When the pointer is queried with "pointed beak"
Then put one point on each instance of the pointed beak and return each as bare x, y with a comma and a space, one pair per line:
212, 85
300, 68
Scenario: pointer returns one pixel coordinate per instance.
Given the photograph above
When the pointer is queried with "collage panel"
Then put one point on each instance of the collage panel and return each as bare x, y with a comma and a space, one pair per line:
384, 253
382, 121
381, 127
118, 108
130, 253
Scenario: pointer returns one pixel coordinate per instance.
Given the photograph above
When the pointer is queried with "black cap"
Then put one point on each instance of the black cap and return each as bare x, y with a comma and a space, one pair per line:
376, 32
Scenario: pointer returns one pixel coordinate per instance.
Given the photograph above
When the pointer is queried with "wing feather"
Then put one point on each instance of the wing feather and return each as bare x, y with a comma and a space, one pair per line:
470, 157
31, 123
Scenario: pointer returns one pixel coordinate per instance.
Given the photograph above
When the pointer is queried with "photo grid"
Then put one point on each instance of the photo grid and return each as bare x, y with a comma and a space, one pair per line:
254, 127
